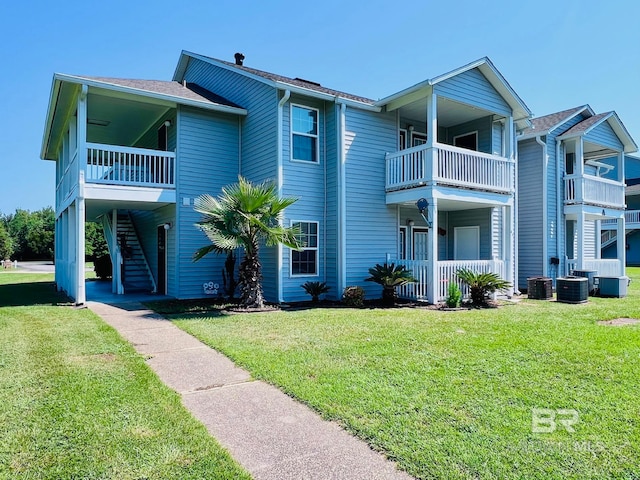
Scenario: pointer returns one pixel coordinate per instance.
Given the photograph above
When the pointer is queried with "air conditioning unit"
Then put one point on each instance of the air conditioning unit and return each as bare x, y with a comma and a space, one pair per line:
612, 286
539, 288
572, 289
590, 275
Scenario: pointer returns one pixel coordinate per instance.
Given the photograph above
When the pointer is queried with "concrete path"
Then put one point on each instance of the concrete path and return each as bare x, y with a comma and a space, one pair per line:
267, 432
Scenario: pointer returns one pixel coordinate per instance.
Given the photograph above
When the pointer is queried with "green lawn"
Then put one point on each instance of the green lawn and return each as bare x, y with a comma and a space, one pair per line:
451, 395
78, 402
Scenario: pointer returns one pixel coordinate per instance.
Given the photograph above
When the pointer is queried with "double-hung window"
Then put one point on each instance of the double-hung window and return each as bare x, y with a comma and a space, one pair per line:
305, 261
304, 134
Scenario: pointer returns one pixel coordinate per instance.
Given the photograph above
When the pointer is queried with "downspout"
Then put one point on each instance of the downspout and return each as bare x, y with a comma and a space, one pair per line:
342, 203
279, 183
559, 199
545, 163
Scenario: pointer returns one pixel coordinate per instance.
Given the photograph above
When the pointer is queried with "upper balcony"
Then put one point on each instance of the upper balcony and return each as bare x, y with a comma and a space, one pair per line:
426, 165
593, 190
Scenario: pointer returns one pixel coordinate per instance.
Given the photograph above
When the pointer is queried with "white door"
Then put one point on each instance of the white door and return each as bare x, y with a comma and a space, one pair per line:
420, 247
466, 243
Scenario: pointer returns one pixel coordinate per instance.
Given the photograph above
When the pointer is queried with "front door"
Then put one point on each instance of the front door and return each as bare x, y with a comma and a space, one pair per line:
466, 243
420, 246
162, 260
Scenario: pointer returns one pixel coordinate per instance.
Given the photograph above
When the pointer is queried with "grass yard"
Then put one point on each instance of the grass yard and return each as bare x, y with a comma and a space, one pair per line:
451, 395
78, 402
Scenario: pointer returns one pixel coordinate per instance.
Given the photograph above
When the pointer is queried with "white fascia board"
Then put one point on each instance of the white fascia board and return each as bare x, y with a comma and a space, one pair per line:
326, 96
407, 91
586, 108
146, 93
630, 146
53, 98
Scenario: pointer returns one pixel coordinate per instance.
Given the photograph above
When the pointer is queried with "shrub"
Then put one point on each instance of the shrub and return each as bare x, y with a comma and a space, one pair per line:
315, 289
102, 266
481, 285
390, 277
353, 296
454, 295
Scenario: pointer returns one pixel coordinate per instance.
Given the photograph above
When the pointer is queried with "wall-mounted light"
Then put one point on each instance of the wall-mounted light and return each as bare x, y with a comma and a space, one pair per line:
167, 123
167, 226
411, 128
410, 222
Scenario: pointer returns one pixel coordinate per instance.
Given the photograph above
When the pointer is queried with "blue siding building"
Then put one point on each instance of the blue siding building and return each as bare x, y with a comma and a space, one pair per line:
571, 174
425, 177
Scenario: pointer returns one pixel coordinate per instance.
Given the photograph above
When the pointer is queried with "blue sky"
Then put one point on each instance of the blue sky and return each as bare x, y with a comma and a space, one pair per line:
556, 54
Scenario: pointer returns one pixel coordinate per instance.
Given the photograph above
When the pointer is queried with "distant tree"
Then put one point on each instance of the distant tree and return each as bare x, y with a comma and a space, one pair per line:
32, 233
6, 242
95, 244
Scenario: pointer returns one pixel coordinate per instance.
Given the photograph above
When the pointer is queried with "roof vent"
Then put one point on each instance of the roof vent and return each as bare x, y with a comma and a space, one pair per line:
307, 81
239, 58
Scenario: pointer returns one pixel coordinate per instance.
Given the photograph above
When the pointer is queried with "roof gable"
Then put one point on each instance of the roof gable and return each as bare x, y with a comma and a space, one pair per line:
521, 112
591, 124
296, 85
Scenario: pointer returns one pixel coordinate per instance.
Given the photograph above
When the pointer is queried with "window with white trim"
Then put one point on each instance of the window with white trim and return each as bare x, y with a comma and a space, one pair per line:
304, 134
305, 261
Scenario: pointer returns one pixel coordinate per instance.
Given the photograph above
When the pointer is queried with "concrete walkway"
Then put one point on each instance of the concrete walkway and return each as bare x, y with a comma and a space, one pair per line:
267, 432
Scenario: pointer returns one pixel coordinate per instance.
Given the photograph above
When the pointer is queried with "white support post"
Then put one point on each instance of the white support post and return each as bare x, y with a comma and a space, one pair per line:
621, 172
81, 131
508, 133
433, 280
80, 222
621, 244
508, 228
580, 252
598, 239
431, 158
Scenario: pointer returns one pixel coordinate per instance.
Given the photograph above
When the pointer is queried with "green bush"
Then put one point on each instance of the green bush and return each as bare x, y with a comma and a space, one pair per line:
481, 285
315, 289
454, 295
353, 296
390, 277
102, 267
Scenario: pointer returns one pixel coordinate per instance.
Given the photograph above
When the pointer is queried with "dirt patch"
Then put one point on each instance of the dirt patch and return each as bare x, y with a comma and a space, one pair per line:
619, 322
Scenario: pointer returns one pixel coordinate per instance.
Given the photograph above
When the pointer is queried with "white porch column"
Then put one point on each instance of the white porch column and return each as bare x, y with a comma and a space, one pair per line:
433, 279
80, 227
621, 167
509, 148
72, 245
580, 250
508, 246
598, 239
431, 158
621, 244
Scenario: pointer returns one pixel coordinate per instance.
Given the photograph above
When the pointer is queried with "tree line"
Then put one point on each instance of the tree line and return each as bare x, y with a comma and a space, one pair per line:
26, 235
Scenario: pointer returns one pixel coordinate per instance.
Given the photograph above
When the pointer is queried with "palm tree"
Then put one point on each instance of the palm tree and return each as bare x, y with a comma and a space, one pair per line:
390, 277
245, 215
481, 285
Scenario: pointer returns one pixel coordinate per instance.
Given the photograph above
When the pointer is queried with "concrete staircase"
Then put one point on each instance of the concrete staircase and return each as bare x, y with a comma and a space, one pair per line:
136, 274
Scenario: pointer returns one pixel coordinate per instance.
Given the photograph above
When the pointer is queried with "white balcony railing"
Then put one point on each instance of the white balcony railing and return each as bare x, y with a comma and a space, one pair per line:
630, 217
606, 267
114, 165
593, 190
446, 274
445, 164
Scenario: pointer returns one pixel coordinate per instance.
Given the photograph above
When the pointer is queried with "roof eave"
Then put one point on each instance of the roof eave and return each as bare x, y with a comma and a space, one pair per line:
155, 95
53, 95
325, 96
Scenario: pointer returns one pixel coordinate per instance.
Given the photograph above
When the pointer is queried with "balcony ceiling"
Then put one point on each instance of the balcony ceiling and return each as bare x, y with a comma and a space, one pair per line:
127, 119
450, 112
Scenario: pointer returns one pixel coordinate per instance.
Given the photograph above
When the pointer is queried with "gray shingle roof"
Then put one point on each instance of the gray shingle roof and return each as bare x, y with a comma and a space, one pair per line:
542, 125
584, 125
297, 82
191, 91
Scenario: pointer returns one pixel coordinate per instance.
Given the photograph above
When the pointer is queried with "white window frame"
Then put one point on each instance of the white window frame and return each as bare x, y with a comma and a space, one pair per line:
316, 136
473, 132
402, 145
403, 248
316, 248
420, 137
